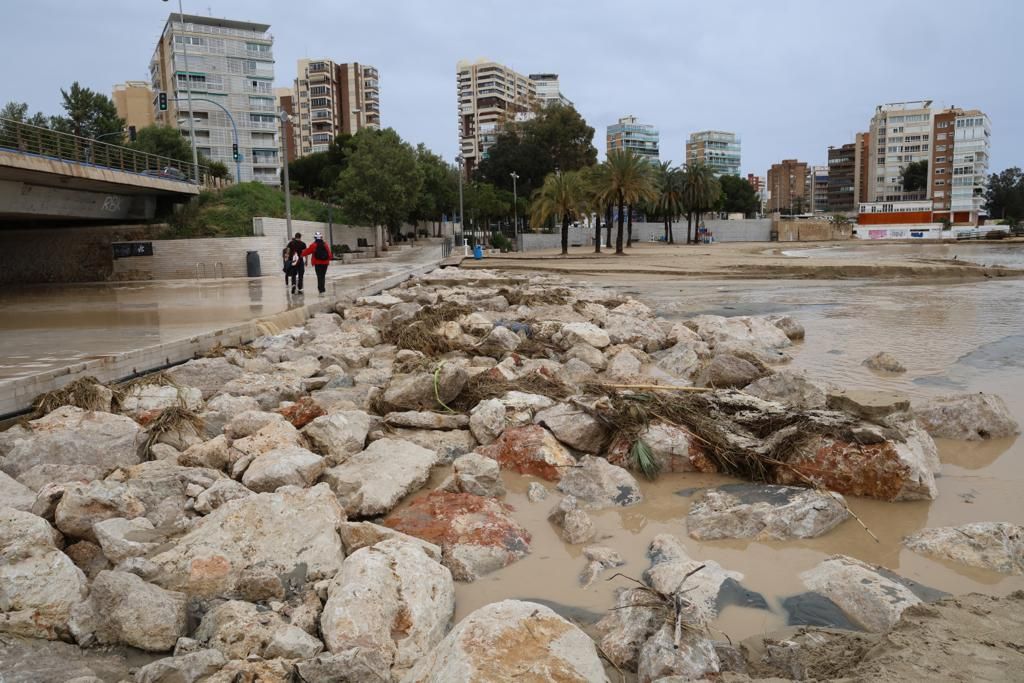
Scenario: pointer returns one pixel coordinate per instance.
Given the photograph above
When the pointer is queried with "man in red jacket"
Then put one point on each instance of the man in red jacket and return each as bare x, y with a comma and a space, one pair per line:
320, 256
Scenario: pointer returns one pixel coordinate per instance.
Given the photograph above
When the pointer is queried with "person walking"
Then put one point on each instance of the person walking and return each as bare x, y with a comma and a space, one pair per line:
296, 262
320, 253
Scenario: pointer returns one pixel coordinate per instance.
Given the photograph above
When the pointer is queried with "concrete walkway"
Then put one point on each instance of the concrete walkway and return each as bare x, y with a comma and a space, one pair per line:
52, 334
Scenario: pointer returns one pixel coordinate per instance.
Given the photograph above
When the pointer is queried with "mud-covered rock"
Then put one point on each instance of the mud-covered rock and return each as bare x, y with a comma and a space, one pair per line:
487, 420
575, 523
288, 466
476, 535
573, 426
392, 600
291, 533
967, 417
141, 399
415, 419
208, 375
422, 390
122, 538
530, 449
867, 404
494, 642
884, 362
997, 546
791, 387
248, 422
588, 354
213, 454
71, 444
790, 327
765, 512
476, 474
587, 333
356, 535
38, 583
447, 443
14, 494
672, 571
598, 483
185, 668
690, 657
218, 493
673, 449
269, 390
125, 610
339, 435
726, 371
82, 505
381, 475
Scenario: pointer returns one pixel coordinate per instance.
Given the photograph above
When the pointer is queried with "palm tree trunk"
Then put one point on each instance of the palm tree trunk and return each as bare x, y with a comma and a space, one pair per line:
565, 233
629, 229
689, 226
618, 235
597, 232
671, 237
608, 226
666, 229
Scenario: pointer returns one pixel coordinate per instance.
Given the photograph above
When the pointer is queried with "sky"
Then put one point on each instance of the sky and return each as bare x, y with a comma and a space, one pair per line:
790, 77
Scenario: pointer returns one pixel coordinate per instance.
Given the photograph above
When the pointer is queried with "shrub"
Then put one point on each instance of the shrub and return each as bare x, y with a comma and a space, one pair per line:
501, 242
997, 235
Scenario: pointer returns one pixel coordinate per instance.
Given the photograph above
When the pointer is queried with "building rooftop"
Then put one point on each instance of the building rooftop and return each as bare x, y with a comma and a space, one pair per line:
220, 22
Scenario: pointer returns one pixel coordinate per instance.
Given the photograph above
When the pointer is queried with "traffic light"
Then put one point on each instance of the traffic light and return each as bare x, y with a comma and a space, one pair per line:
162, 100
234, 151
131, 133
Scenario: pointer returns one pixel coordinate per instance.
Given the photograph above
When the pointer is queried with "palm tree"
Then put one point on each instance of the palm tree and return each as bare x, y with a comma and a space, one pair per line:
562, 194
628, 181
595, 179
699, 193
670, 195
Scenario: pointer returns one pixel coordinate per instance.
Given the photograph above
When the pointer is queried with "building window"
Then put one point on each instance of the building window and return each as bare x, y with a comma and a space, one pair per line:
940, 171
940, 160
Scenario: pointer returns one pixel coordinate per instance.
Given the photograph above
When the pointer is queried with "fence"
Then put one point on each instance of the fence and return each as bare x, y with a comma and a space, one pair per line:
36, 140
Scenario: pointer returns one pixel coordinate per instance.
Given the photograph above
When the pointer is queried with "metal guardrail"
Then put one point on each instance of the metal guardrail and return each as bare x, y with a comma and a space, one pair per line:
25, 138
447, 246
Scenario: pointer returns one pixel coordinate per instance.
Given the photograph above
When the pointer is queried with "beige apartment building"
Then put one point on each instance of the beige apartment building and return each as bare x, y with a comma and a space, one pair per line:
331, 99
134, 103
490, 96
787, 187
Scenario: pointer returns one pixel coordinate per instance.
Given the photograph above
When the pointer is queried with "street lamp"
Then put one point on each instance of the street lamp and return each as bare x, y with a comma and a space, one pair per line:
515, 205
188, 93
287, 188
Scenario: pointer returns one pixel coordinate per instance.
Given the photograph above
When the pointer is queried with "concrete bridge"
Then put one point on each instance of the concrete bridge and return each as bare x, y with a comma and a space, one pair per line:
46, 175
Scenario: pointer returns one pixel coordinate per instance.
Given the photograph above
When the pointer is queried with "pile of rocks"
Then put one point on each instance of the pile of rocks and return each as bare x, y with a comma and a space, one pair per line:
275, 534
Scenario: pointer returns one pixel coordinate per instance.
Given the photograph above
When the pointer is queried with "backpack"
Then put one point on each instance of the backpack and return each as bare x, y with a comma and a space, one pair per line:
321, 253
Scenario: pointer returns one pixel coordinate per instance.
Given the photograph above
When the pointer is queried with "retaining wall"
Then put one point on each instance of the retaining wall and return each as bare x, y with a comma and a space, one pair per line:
747, 230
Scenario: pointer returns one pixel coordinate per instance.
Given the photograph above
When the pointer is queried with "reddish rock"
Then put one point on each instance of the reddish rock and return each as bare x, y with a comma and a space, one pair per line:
302, 412
476, 535
530, 449
887, 470
674, 448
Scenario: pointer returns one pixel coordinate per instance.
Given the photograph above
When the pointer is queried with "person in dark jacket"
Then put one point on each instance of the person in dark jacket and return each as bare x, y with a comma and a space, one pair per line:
296, 262
320, 256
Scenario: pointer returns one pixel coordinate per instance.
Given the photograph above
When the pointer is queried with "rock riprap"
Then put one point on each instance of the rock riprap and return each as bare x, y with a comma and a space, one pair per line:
967, 417
997, 546
765, 512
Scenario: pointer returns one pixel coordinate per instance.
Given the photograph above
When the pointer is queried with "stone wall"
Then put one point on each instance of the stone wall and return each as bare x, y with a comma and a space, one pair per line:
747, 230
809, 230
64, 254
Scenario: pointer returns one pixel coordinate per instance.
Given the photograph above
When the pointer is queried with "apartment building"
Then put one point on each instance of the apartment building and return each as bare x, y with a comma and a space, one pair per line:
816, 190
787, 187
490, 96
230, 75
718, 149
760, 186
287, 129
549, 91
332, 99
134, 103
842, 173
955, 143
629, 133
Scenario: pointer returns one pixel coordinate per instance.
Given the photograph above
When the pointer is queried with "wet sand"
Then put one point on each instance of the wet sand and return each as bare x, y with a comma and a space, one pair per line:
952, 337
750, 260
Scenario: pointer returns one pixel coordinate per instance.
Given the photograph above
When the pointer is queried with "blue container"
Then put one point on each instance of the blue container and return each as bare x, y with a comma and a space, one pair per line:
478, 252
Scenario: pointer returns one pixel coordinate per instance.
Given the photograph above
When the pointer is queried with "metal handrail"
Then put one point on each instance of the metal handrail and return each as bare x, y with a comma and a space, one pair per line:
35, 140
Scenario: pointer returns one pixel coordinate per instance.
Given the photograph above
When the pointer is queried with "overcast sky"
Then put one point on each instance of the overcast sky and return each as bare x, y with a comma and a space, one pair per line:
790, 77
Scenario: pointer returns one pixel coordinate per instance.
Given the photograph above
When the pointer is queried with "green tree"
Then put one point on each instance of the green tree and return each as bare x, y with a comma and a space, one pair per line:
738, 196
915, 176
557, 138
629, 181
563, 195
18, 111
382, 181
700, 193
485, 202
669, 202
1004, 197
168, 142
88, 114
440, 186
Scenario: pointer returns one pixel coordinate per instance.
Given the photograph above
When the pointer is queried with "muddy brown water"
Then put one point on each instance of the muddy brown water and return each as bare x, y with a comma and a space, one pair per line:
952, 338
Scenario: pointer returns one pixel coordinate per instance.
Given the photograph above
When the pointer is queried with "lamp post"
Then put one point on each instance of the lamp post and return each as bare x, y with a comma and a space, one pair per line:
515, 205
188, 94
462, 219
287, 188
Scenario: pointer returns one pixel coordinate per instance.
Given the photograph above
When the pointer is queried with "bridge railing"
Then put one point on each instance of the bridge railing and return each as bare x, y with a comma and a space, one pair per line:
35, 140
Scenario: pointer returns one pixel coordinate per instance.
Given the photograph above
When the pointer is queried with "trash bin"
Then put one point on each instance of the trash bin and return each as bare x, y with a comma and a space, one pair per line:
252, 263
478, 252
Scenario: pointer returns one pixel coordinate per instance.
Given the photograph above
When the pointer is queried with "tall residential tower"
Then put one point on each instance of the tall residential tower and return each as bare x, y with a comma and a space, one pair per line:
629, 133
230, 63
490, 96
718, 149
332, 99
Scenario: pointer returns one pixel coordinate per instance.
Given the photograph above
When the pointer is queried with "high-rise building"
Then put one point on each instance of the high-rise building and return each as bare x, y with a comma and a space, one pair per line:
760, 186
842, 173
862, 166
954, 142
230, 63
491, 95
817, 189
287, 129
718, 149
787, 187
333, 99
134, 103
629, 133
548, 90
